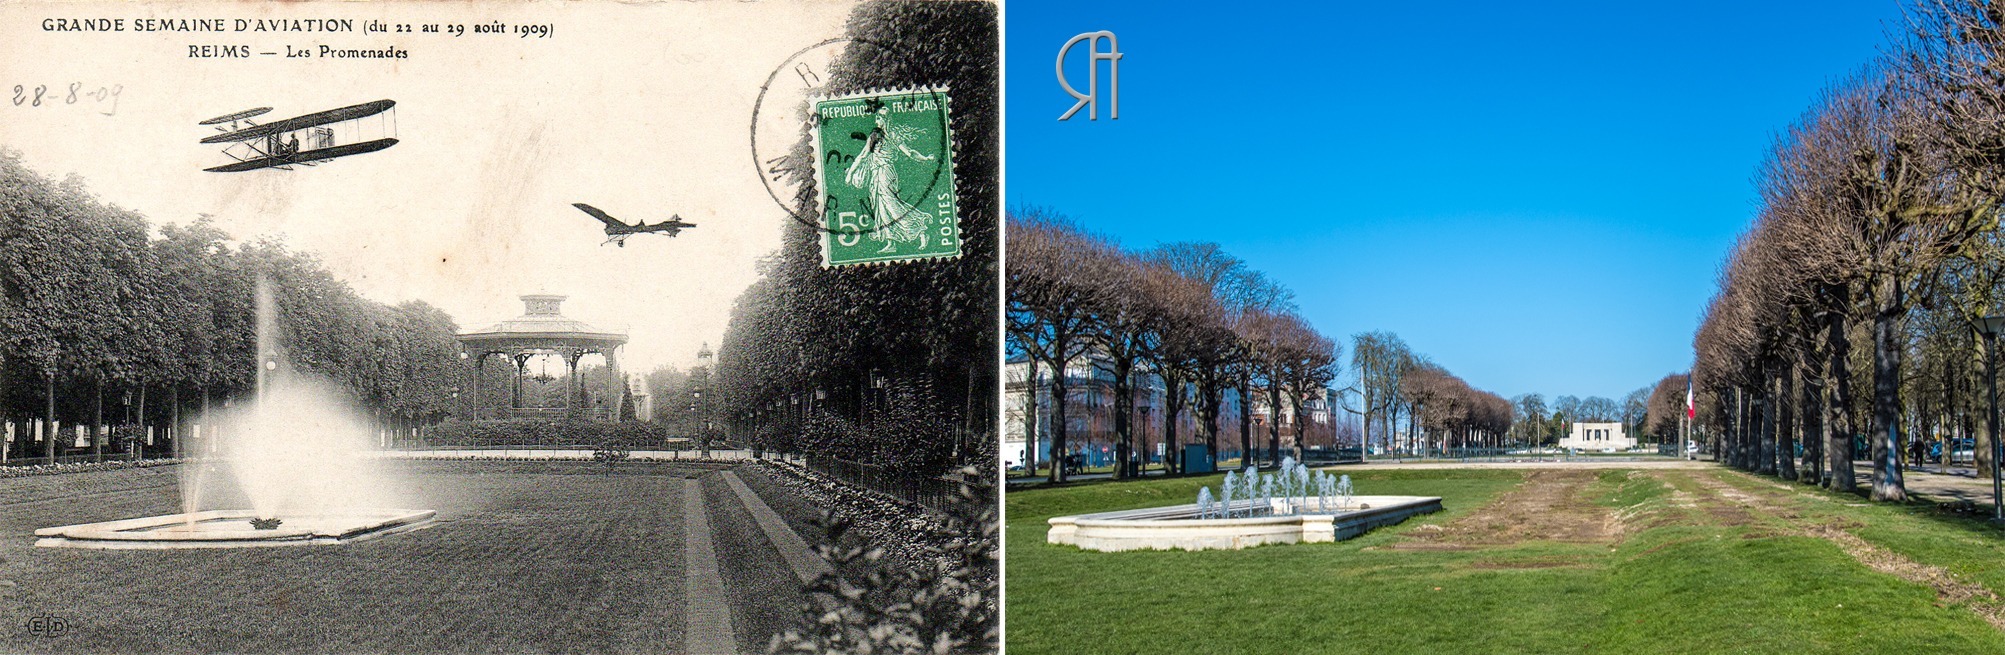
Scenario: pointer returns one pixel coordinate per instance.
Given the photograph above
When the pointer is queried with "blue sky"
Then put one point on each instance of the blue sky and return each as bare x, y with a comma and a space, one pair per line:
1536, 195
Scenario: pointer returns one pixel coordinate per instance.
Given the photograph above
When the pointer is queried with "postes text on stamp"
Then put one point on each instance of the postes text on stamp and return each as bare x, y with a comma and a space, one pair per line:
884, 174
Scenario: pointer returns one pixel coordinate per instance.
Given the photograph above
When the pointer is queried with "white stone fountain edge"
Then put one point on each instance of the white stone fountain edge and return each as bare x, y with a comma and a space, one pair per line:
1171, 528
126, 534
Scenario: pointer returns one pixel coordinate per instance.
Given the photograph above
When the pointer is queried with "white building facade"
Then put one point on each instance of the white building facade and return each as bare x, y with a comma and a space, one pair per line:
1606, 437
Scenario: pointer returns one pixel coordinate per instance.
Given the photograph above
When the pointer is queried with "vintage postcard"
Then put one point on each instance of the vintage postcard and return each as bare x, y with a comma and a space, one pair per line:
407, 327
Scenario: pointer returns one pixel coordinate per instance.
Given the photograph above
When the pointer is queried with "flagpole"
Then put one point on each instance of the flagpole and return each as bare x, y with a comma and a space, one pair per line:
1685, 425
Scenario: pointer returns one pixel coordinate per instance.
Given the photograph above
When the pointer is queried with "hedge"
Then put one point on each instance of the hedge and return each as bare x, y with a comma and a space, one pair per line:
629, 435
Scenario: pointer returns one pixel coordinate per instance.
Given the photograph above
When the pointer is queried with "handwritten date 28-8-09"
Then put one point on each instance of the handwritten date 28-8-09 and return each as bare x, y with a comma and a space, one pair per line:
102, 98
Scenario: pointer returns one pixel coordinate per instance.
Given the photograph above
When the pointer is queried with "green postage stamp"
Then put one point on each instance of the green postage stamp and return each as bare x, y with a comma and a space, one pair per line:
884, 177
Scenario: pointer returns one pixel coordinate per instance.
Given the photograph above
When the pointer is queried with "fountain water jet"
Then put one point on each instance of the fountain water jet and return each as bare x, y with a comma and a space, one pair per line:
291, 468
1271, 508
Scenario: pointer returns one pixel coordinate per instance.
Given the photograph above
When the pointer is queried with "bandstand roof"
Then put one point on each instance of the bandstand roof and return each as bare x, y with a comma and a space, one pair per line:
542, 324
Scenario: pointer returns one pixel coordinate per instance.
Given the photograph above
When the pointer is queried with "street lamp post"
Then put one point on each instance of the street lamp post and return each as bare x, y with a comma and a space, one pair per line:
1991, 326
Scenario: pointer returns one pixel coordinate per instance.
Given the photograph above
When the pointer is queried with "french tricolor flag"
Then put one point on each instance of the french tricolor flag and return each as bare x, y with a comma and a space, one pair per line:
1691, 410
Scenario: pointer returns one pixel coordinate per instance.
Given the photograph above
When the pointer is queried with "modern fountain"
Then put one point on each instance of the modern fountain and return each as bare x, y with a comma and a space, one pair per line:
291, 468
1289, 505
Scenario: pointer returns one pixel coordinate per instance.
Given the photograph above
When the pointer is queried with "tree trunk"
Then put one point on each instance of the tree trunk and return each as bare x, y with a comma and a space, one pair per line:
97, 421
1059, 390
1841, 424
139, 437
1173, 405
1274, 421
1887, 349
49, 415
1948, 453
1124, 429
1743, 437
1785, 423
1211, 398
174, 429
1978, 423
1724, 450
1412, 425
1301, 399
1030, 417
1246, 456
208, 422
1811, 408
1729, 450
1764, 403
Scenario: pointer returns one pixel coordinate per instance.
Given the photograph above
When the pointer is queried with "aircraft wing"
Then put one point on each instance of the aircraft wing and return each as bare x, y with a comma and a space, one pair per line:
226, 118
304, 156
352, 112
594, 211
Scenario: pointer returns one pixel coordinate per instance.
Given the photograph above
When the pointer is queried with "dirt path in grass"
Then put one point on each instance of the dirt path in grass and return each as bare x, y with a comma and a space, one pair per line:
1553, 505
1732, 506
1550, 505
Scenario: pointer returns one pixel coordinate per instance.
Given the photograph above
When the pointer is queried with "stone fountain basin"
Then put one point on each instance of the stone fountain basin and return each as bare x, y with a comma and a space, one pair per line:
231, 528
1177, 527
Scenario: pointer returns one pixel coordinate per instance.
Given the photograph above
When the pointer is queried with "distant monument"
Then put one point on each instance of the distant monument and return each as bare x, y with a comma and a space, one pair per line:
1607, 437
543, 329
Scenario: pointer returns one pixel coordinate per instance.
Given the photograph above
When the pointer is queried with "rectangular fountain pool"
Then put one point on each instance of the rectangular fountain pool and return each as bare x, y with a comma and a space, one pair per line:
1177, 527
233, 529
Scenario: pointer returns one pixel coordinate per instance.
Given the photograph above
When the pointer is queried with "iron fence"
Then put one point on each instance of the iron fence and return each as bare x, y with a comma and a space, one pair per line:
935, 493
85, 458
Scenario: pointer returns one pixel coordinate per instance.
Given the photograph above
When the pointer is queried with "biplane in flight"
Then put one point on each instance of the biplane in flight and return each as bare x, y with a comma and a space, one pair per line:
326, 135
617, 230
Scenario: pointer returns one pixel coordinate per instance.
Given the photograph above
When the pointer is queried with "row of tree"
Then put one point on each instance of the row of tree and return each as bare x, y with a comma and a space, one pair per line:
1441, 411
1188, 315
1850, 308
881, 364
1666, 409
1190, 323
98, 307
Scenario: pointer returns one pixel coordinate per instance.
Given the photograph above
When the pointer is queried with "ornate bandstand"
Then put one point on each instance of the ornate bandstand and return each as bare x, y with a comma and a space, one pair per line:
543, 329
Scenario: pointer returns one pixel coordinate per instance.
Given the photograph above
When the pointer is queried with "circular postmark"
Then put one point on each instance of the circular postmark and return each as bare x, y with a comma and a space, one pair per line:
785, 107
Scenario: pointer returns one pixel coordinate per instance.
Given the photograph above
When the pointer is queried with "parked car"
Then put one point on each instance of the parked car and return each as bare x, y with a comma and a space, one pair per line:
1964, 449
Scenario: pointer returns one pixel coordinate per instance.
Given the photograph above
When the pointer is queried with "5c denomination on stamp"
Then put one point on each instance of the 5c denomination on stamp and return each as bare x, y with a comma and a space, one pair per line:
884, 177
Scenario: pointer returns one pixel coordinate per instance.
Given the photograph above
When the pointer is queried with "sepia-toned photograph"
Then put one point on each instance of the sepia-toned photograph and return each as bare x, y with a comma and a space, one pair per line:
512, 327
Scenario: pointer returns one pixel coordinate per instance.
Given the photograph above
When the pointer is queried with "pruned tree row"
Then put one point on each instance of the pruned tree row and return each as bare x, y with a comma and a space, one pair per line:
1845, 324
107, 322
1195, 332
885, 365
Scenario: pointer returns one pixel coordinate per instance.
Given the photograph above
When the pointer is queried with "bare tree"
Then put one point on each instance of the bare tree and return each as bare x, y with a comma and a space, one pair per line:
1307, 362
1056, 274
1379, 359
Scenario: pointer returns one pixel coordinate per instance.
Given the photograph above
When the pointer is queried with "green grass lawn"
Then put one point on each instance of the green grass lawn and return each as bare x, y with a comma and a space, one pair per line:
527, 557
1685, 576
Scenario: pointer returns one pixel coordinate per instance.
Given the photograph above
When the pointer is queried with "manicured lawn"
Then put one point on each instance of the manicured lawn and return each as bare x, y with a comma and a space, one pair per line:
527, 557
1690, 569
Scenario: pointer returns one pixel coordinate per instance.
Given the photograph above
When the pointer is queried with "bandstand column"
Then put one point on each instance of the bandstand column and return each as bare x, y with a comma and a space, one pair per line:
521, 362
572, 385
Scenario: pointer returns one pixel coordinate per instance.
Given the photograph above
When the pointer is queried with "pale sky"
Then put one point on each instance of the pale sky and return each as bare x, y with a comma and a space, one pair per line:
643, 110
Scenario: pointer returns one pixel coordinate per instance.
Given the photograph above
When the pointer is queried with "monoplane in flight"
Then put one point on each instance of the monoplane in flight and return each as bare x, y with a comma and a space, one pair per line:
617, 230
